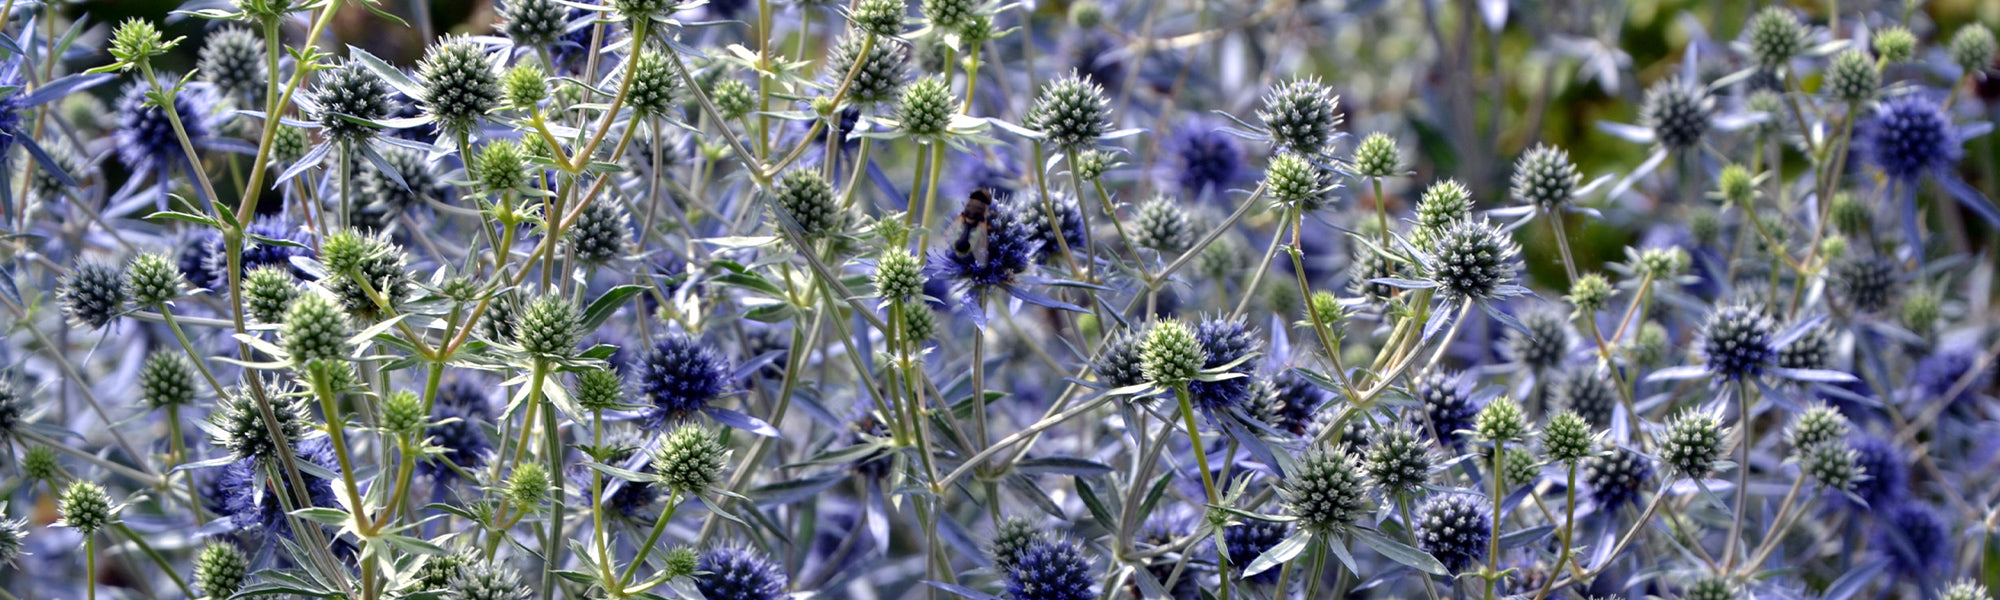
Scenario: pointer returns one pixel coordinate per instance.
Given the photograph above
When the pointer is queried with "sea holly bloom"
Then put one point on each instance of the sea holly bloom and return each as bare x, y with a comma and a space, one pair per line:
1910, 138
16, 128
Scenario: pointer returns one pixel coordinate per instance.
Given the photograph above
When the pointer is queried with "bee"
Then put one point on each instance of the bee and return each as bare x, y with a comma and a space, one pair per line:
973, 221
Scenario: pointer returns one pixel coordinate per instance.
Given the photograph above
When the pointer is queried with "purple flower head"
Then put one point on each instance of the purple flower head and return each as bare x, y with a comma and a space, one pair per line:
1225, 341
1938, 374
11, 105
1050, 569
739, 574
254, 508
463, 439
1067, 213
1201, 158
680, 376
1910, 136
1915, 539
1887, 471
145, 138
1250, 540
993, 254
258, 253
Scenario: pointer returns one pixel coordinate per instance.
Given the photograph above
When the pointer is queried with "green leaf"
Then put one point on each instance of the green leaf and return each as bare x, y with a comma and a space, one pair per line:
1098, 510
601, 309
1286, 550
323, 516
1400, 552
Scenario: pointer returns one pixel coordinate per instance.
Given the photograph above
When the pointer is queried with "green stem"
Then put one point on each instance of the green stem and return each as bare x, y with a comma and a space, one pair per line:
1201, 458
652, 539
335, 431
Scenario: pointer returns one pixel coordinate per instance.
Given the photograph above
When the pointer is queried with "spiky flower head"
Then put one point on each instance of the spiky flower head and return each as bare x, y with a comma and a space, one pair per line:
602, 234
435, 574
808, 199
1545, 178
1443, 204
146, 139
1121, 363
1224, 341
351, 90
1972, 48
1894, 43
1251, 539
1377, 156
153, 280
1916, 540
925, 109
1475, 260
1911, 136
403, 413
529, 485
1050, 569
1501, 422
1544, 340
232, 60
881, 18
13, 408
1833, 465
1454, 529
239, 426
1865, 283
881, 72
85, 507
526, 85
1677, 112
268, 292
1776, 36
1448, 409
1171, 355
40, 463
1589, 395
220, 569
1693, 443
13, 537
1965, 589
689, 459
600, 389
551, 327
486, 581
1328, 491
1736, 343
1590, 293
1566, 438
899, 277
167, 379
1293, 179
680, 376
1921, 310
314, 329
1710, 588
949, 15
1399, 461
92, 294
1616, 477
1071, 112
501, 167
356, 259
739, 574
1812, 350
459, 85
1012, 538
653, 86
534, 23
1887, 468
1302, 115
733, 99
137, 41
1852, 77
1163, 226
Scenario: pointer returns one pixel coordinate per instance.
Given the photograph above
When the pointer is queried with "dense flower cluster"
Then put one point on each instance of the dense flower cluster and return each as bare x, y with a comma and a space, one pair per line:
1081, 300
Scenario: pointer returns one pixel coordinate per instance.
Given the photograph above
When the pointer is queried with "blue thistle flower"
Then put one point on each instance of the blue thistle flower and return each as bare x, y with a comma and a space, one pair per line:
256, 508
1915, 539
1448, 407
1224, 341
1911, 136
256, 253
680, 376
1616, 477
1203, 159
1297, 401
463, 439
1050, 569
145, 138
1454, 528
1887, 470
1250, 540
1936, 375
1010, 246
739, 574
